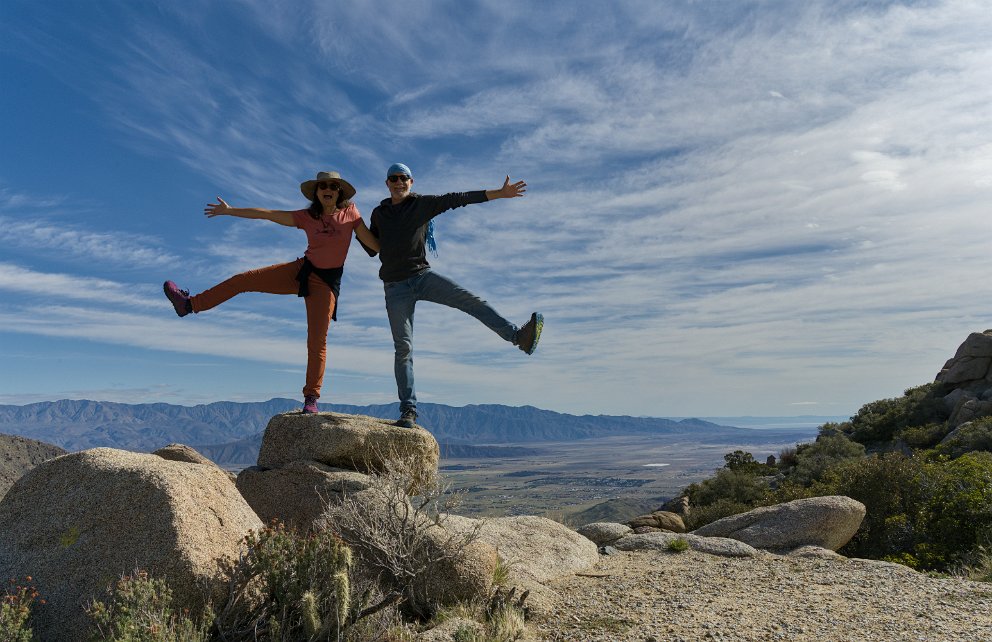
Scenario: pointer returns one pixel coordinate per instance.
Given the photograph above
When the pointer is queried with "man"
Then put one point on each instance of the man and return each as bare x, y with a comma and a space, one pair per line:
404, 227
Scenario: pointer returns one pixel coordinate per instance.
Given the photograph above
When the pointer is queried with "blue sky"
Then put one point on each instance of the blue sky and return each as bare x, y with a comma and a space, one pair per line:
767, 208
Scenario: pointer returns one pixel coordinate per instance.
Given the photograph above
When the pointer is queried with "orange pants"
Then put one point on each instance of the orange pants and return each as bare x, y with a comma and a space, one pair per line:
281, 279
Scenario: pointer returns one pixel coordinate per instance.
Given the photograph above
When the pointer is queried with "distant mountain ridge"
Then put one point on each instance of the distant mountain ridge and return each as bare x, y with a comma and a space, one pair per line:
230, 431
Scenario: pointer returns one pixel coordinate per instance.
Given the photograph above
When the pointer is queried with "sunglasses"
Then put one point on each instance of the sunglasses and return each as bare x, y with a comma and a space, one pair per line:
396, 178
334, 186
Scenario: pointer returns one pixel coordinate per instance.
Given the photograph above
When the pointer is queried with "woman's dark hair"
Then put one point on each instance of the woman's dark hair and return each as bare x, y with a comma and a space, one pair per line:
317, 208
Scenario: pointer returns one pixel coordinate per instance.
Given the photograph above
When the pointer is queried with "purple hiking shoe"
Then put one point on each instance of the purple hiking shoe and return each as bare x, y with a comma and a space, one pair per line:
310, 405
179, 298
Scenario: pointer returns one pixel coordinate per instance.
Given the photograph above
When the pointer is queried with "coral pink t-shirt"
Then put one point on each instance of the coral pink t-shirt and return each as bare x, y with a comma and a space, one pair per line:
328, 239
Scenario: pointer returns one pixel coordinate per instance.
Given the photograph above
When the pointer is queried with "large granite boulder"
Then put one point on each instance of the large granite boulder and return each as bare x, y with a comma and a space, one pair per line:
662, 520
534, 550
308, 461
662, 541
353, 442
827, 522
182, 452
78, 522
297, 493
602, 533
535, 546
971, 363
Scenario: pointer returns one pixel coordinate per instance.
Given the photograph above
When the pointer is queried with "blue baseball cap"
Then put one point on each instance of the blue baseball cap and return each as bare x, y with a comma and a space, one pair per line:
398, 168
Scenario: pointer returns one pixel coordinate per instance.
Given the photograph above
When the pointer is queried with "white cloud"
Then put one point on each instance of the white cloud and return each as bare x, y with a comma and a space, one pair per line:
771, 207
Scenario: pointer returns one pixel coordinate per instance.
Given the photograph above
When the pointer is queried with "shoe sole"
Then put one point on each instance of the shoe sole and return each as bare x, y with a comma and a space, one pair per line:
538, 320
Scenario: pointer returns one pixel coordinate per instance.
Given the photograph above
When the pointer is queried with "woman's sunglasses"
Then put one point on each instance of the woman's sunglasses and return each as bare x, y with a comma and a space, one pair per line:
334, 186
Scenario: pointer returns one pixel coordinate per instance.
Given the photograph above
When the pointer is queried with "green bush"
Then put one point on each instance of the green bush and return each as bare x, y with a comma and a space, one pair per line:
813, 460
892, 488
703, 515
958, 513
879, 421
975, 435
15, 610
728, 485
677, 545
744, 462
139, 609
289, 586
923, 437
927, 514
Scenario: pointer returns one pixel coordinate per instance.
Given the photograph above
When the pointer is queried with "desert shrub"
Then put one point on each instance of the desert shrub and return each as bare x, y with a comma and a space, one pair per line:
677, 545
730, 485
972, 436
879, 421
979, 566
288, 585
892, 488
930, 515
139, 608
813, 460
15, 610
958, 513
786, 458
501, 619
702, 515
744, 462
402, 539
922, 437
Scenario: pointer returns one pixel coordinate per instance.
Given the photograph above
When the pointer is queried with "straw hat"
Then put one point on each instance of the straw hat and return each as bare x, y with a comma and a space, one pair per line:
310, 187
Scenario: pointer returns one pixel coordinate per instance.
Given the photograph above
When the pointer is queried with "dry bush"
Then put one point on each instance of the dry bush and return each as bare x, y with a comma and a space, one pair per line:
401, 539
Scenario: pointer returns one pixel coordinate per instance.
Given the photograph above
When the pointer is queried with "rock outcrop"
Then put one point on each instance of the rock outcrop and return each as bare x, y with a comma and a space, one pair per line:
536, 546
78, 522
309, 465
534, 549
603, 533
182, 452
353, 442
662, 541
660, 520
826, 522
18, 455
968, 377
309, 461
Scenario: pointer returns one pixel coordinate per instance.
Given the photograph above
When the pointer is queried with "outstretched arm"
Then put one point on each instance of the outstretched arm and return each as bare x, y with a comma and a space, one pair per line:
367, 238
220, 208
508, 190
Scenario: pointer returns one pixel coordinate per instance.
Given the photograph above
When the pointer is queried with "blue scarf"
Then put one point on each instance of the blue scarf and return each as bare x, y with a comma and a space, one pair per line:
431, 243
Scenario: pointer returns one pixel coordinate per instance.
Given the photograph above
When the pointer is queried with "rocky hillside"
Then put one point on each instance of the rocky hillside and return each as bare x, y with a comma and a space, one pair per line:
18, 455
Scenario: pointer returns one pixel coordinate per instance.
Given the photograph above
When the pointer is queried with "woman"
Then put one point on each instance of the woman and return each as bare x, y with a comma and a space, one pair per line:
329, 223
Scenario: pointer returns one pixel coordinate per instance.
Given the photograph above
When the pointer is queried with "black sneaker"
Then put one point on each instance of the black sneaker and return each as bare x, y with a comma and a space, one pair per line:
408, 419
530, 333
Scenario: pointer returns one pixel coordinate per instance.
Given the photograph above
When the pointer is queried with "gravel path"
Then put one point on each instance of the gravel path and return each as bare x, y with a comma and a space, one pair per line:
660, 597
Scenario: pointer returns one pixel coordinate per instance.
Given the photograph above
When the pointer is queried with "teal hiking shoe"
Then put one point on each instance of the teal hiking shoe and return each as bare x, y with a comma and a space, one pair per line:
530, 333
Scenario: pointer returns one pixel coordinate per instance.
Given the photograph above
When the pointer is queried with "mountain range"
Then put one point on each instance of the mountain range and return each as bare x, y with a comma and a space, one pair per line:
230, 432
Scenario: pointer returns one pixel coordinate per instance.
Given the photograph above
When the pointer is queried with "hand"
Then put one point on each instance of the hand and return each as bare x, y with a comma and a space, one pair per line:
219, 208
512, 190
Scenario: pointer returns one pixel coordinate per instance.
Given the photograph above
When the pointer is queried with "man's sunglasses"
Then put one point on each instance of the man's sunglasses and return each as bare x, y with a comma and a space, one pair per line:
334, 186
396, 178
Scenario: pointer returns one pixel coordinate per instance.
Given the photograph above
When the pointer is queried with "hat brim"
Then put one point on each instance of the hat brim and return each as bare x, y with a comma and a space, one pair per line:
309, 188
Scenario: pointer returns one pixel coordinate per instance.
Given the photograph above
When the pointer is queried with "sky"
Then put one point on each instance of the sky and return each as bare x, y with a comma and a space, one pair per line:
767, 208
